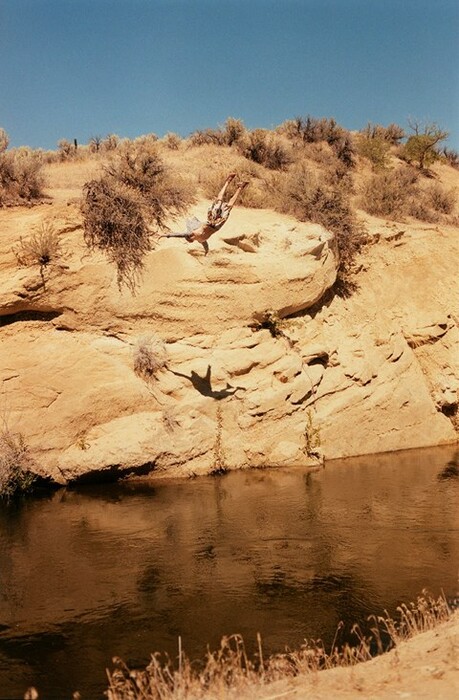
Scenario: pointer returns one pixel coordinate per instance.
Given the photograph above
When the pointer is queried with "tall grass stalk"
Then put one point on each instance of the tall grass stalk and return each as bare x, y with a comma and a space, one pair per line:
229, 670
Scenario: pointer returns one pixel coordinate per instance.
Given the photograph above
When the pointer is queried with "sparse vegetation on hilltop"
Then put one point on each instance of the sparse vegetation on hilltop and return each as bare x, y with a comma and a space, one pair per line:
311, 168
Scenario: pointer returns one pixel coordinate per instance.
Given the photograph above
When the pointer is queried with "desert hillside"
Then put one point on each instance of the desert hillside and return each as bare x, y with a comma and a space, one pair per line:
269, 350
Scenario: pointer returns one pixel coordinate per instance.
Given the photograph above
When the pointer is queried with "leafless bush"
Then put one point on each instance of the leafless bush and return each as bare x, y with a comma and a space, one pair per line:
16, 464
21, 176
207, 136
42, 248
172, 141
95, 144
234, 131
392, 134
451, 156
111, 142
4, 140
432, 203
265, 148
150, 357
113, 223
303, 131
162, 192
135, 196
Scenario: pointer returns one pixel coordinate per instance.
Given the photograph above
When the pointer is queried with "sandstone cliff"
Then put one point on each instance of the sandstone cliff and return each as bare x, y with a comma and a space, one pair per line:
235, 387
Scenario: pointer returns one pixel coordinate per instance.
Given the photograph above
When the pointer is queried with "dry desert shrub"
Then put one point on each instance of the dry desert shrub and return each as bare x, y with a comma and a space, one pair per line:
95, 144
450, 156
134, 198
432, 203
387, 194
265, 148
395, 194
392, 134
4, 140
21, 176
204, 137
16, 464
324, 199
440, 200
234, 131
41, 248
113, 223
302, 131
230, 670
67, 150
150, 357
111, 142
172, 141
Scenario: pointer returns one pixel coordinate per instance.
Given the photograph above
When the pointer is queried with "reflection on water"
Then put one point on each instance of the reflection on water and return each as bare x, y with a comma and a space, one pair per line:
116, 570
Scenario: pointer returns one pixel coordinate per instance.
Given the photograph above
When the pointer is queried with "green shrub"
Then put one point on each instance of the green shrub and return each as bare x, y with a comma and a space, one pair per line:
375, 149
421, 148
16, 464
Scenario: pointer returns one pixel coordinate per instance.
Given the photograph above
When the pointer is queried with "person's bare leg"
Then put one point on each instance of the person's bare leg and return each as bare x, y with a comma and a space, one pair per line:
222, 192
233, 199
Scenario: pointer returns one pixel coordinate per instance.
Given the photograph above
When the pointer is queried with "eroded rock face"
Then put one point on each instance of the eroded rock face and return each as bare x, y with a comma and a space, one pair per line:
377, 372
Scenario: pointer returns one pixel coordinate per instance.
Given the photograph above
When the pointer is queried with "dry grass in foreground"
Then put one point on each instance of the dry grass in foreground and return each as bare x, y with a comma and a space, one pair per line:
229, 672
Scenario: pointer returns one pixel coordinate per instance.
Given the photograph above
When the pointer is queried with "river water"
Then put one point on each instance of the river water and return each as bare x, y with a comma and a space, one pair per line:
124, 570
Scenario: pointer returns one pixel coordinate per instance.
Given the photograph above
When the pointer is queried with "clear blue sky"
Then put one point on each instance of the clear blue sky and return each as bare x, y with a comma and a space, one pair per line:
80, 68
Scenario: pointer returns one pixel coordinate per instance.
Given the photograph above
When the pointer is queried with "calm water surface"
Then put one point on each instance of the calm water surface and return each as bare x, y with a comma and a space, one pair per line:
116, 570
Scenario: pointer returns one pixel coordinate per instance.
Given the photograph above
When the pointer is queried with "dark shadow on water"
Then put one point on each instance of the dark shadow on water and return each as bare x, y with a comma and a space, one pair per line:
451, 470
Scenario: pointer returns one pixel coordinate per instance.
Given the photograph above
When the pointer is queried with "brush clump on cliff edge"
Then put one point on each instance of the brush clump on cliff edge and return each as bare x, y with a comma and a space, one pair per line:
133, 199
